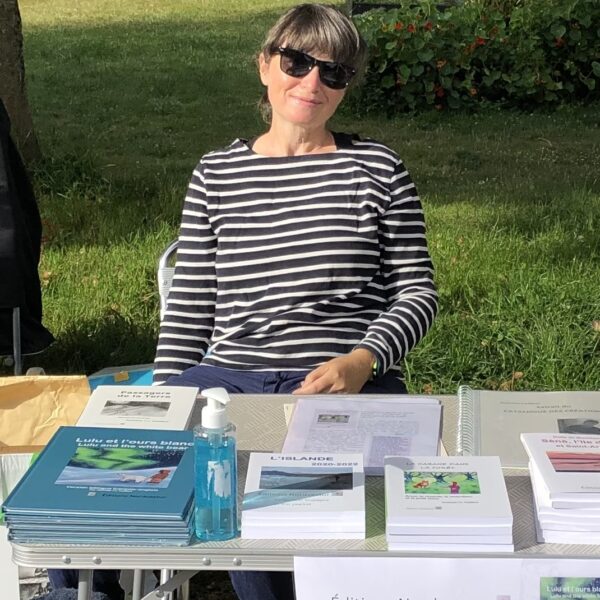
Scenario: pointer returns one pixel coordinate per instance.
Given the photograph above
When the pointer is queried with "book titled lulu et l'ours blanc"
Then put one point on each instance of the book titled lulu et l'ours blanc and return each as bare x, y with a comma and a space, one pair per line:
304, 496
89, 482
447, 503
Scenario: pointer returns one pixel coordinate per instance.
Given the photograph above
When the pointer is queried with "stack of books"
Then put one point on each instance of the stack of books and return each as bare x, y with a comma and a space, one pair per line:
565, 477
304, 496
447, 504
95, 485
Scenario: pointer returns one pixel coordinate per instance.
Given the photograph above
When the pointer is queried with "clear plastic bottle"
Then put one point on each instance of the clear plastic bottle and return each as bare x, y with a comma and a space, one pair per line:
215, 454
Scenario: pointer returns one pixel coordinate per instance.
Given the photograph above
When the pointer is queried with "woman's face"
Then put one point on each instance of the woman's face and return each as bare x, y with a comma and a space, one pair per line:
302, 101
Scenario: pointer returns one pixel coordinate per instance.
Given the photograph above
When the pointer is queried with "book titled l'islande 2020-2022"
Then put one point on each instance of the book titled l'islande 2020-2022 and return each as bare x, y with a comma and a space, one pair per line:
93, 478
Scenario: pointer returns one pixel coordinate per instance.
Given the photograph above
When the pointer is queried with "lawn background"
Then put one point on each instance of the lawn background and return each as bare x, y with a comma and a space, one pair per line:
127, 96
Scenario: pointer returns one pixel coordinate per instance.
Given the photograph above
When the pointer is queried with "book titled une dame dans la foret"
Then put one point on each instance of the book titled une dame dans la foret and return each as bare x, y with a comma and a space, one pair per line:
447, 503
103, 485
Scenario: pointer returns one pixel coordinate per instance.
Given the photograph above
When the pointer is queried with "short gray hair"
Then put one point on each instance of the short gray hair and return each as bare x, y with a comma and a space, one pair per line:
320, 28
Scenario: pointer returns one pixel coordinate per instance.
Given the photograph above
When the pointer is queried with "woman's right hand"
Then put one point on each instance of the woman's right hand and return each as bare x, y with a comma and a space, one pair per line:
341, 375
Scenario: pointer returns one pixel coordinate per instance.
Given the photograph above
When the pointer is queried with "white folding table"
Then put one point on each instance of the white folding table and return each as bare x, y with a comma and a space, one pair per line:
261, 427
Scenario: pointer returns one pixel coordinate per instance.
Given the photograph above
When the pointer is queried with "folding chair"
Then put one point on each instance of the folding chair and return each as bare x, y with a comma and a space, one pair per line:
165, 273
16, 360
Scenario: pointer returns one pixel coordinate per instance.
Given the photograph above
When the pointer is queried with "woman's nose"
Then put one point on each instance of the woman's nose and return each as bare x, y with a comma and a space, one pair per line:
311, 79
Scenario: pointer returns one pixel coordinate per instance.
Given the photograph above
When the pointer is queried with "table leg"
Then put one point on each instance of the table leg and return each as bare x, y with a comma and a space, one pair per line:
165, 576
84, 588
138, 584
185, 590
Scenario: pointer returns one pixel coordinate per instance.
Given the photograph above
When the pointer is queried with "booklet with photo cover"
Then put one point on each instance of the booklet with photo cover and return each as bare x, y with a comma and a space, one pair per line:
306, 495
376, 426
446, 496
139, 407
569, 467
490, 422
124, 473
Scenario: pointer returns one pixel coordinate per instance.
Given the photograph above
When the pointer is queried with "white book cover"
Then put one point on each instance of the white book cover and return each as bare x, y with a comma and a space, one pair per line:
553, 536
403, 547
374, 426
139, 407
572, 519
569, 466
262, 532
443, 495
425, 538
490, 422
308, 492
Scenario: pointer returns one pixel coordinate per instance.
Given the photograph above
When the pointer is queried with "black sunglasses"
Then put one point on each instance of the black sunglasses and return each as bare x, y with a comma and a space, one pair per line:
296, 63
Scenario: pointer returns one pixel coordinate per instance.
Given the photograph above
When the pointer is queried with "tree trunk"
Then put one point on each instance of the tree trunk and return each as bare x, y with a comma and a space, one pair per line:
12, 80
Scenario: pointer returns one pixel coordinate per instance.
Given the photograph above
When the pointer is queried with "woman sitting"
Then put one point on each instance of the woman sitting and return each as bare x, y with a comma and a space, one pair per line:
302, 264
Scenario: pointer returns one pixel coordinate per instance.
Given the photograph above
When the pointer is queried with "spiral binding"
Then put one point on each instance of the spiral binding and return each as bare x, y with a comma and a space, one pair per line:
465, 439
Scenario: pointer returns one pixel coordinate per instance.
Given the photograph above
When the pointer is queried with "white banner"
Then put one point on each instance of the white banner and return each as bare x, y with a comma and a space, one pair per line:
400, 578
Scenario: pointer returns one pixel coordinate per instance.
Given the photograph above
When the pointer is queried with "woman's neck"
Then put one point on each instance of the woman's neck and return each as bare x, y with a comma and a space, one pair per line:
294, 141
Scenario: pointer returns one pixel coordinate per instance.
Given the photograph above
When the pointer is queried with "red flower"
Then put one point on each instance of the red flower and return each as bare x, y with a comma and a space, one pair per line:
428, 26
399, 25
411, 28
559, 42
479, 41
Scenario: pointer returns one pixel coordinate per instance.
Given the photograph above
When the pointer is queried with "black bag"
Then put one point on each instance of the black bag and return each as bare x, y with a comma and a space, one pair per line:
20, 244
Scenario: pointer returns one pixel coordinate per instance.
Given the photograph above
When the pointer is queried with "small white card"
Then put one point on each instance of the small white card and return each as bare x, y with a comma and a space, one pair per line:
399, 578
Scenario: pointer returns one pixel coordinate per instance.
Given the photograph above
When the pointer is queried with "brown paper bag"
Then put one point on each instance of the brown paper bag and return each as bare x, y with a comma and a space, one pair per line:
32, 408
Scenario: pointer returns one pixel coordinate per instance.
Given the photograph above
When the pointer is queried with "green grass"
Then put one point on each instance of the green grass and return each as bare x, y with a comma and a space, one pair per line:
127, 96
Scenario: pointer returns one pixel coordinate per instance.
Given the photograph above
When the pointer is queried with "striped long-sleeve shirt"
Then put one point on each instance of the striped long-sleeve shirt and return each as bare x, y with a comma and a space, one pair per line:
286, 262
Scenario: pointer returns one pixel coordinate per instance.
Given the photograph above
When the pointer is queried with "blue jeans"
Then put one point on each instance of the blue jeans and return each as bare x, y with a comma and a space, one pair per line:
105, 581
267, 585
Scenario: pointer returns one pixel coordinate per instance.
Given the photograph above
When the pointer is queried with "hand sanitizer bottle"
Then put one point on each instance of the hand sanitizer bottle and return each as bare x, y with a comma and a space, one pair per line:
216, 470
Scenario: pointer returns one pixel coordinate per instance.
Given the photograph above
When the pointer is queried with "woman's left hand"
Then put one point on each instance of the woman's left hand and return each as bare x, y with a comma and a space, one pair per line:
341, 375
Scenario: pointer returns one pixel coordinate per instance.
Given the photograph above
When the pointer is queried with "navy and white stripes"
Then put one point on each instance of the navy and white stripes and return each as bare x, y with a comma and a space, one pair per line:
286, 262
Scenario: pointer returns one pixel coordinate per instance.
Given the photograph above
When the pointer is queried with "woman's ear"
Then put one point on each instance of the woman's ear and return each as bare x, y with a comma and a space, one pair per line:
263, 69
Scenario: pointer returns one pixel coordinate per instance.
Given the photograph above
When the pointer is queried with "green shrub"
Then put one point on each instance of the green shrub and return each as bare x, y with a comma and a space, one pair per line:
520, 54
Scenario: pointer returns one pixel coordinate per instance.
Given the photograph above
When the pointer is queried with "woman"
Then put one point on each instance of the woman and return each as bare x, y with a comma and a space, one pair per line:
302, 264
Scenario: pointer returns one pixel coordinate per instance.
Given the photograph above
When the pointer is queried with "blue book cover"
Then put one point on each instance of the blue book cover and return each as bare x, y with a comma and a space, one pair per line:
92, 471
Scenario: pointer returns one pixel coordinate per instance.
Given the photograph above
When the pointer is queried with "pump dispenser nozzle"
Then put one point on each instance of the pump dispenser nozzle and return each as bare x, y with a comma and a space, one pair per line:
214, 414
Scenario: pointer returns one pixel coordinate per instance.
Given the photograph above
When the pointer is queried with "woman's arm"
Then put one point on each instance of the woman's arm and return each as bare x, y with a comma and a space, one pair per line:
188, 322
412, 299
407, 276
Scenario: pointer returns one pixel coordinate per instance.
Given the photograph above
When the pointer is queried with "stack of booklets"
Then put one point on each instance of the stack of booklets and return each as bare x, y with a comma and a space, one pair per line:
447, 504
304, 496
95, 485
376, 426
565, 477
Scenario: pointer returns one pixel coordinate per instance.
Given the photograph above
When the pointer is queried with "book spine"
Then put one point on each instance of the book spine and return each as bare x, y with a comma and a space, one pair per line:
466, 437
